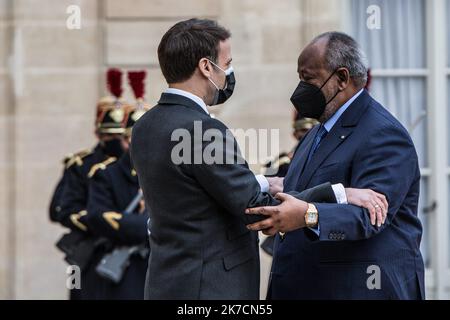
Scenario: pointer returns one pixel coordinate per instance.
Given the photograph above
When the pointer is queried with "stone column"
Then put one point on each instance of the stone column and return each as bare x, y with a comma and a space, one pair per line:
7, 170
54, 74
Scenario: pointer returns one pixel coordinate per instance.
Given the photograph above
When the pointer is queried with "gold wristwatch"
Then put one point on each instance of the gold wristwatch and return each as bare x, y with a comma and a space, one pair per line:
311, 216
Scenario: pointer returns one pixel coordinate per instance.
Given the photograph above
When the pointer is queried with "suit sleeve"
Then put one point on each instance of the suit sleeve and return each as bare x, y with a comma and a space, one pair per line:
225, 175
106, 219
387, 164
321, 193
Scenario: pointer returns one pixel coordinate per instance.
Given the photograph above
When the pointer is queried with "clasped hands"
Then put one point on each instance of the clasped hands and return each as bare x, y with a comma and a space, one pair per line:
289, 215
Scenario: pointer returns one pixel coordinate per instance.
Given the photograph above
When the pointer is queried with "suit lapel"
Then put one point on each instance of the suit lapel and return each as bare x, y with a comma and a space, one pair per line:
299, 160
334, 138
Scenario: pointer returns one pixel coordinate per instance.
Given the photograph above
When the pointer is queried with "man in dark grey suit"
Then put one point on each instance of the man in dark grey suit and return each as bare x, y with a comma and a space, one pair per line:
200, 246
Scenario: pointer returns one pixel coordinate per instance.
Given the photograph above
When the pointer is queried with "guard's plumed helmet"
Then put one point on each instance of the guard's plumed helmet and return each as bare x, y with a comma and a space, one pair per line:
111, 110
136, 79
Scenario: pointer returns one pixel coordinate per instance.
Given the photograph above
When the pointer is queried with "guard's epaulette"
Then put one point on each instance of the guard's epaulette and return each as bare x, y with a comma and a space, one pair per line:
283, 160
278, 162
77, 158
101, 165
67, 158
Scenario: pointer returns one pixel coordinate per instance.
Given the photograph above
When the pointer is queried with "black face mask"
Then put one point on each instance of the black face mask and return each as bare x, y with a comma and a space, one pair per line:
309, 99
222, 95
113, 148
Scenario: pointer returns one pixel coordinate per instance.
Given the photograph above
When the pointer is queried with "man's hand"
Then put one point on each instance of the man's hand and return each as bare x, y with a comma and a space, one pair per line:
287, 216
275, 185
373, 201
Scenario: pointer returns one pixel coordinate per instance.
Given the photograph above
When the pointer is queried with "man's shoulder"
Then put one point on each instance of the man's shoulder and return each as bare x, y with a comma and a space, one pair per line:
379, 118
78, 158
82, 162
171, 115
104, 166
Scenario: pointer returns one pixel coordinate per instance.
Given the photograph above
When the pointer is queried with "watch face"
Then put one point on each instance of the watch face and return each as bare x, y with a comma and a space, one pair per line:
311, 218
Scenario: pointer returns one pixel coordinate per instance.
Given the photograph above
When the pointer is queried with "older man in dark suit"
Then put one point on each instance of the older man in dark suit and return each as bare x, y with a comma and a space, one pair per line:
333, 251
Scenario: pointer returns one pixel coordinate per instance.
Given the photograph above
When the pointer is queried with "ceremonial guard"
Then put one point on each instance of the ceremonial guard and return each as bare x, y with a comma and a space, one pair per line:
70, 200
116, 211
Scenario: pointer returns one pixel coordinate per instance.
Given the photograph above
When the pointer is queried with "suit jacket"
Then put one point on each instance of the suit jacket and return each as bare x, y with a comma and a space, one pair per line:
200, 246
366, 148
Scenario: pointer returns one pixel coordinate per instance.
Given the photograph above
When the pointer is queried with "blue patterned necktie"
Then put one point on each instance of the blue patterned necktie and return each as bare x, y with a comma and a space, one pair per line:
317, 140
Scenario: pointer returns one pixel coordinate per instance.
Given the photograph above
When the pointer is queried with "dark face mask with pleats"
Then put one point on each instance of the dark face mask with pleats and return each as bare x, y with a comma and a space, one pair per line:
309, 99
223, 94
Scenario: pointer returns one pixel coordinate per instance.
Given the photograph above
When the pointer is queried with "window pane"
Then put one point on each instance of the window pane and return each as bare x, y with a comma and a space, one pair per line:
400, 42
405, 99
448, 32
424, 218
448, 121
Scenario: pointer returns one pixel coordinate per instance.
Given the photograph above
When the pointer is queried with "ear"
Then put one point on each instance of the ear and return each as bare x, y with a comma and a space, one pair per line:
344, 78
205, 67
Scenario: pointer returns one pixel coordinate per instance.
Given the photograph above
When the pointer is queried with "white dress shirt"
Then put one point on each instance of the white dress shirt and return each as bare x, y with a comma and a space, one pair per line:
188, 95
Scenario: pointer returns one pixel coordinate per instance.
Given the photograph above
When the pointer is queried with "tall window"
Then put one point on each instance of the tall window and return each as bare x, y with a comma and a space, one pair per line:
411, 77
448, 110
397, 57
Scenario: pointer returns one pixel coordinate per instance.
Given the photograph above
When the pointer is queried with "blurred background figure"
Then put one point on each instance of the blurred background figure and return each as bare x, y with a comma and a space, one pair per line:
117, 212
279, 166
69, 202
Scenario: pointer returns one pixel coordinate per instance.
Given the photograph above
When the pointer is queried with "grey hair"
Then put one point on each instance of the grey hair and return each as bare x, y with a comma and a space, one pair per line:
343, 51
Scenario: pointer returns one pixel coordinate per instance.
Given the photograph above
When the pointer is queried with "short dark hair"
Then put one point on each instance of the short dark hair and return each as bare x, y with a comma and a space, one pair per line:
185, 43
343, 51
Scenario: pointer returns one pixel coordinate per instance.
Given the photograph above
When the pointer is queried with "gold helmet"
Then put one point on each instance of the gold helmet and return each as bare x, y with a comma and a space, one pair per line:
304, 123
136, 80
301, 123
111, 109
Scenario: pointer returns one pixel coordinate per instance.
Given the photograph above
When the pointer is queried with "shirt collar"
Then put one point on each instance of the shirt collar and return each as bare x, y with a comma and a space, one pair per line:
332, 121
188, 95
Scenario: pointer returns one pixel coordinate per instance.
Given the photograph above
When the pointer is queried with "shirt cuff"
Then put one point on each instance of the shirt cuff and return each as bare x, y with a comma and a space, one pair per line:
148, 227
316, 230
263, 182
339, 193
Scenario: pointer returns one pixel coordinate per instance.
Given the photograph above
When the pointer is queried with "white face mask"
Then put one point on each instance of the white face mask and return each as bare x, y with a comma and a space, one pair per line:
222, 95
